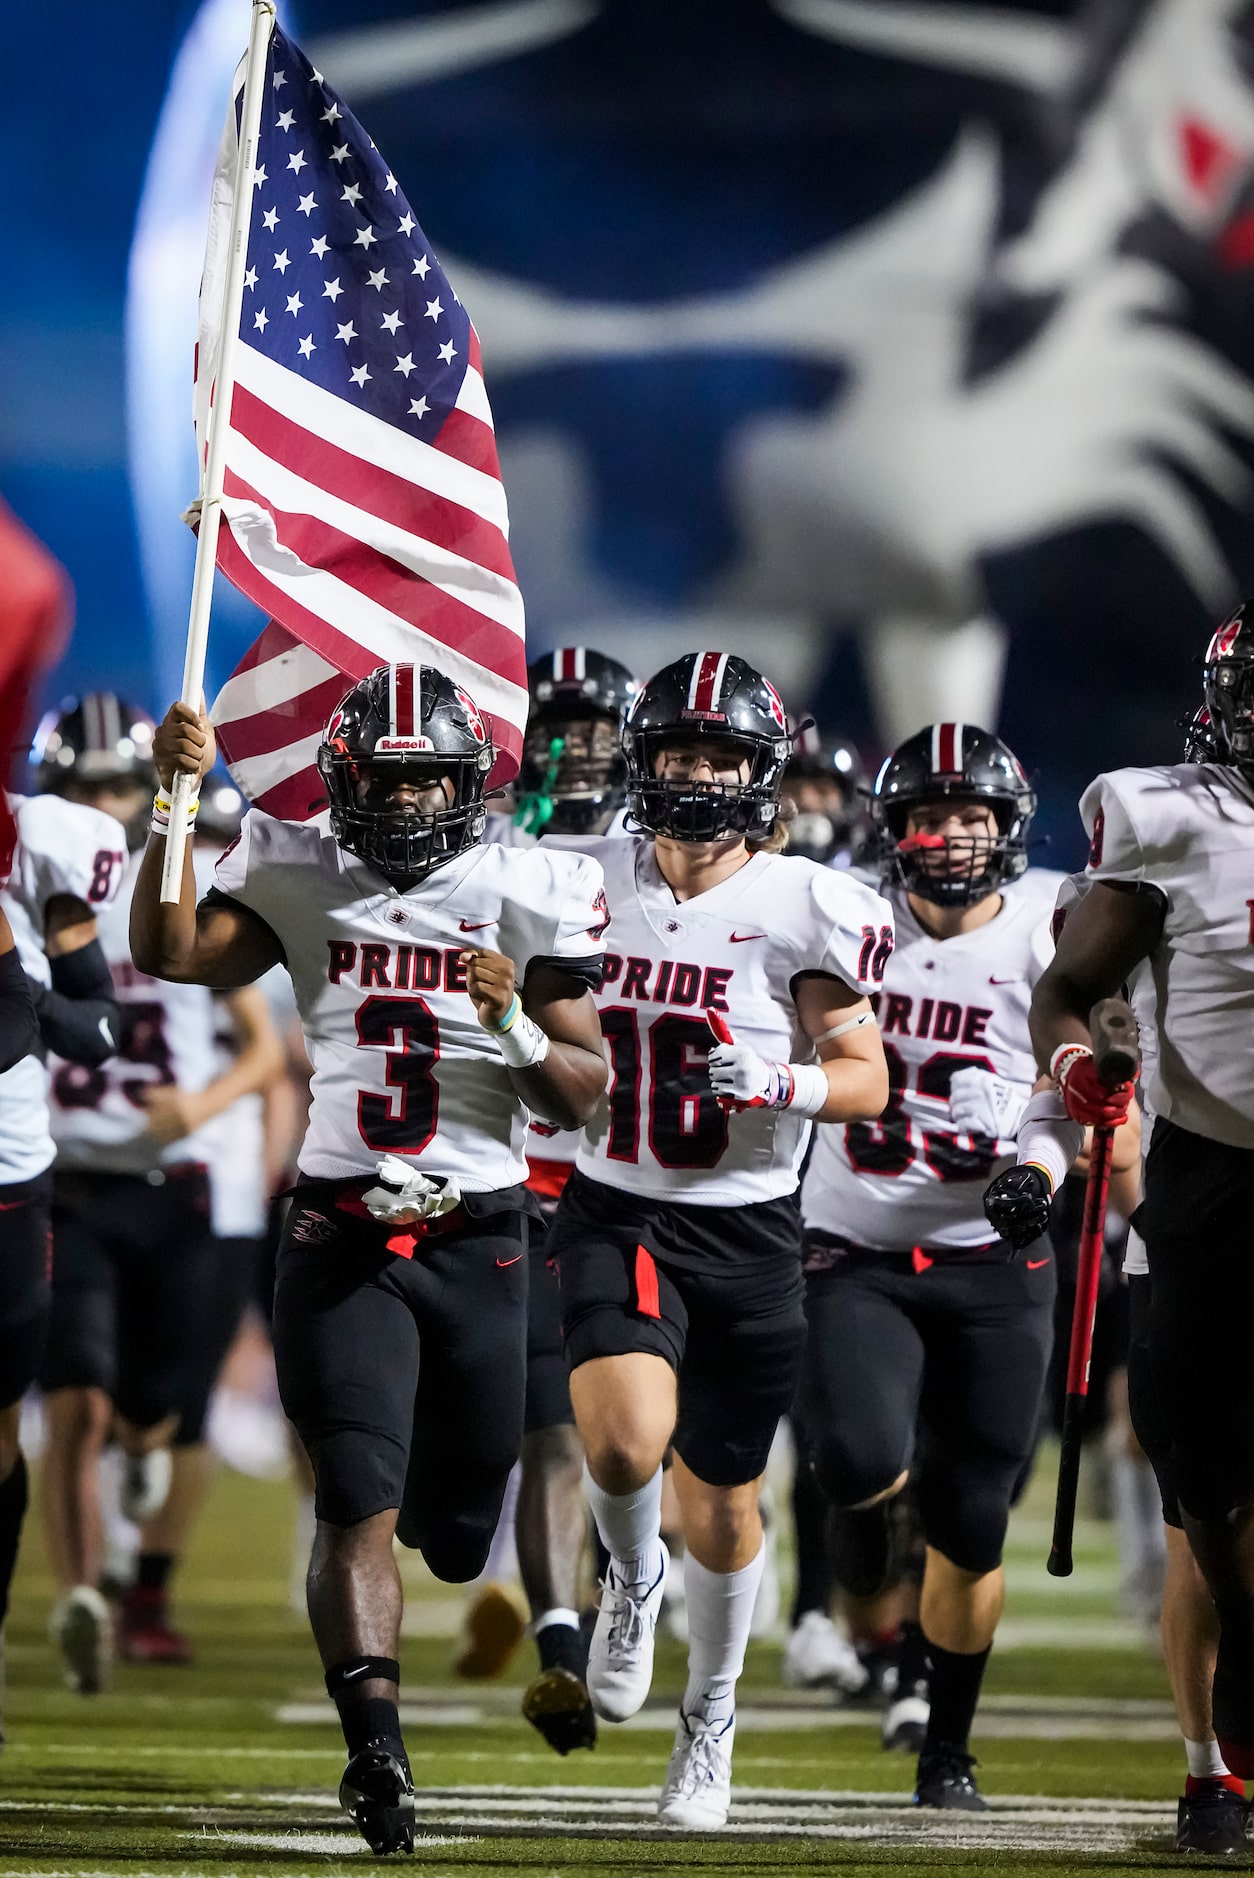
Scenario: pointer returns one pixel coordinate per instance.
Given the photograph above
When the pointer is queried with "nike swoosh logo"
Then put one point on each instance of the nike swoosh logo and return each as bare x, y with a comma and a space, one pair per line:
1004, 981
502, 1263
477, 925
350, 1673
1034, 1265
738, 938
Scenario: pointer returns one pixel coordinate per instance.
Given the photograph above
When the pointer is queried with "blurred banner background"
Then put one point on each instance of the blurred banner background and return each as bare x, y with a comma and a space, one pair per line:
904, 346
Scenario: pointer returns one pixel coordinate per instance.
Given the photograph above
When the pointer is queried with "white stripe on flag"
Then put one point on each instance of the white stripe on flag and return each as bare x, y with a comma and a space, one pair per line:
473, 397
275, 681
256, 774
368, 437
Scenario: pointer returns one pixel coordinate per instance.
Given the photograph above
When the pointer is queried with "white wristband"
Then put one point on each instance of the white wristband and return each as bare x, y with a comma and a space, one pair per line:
810, 1088
524, 1044
1048, 1137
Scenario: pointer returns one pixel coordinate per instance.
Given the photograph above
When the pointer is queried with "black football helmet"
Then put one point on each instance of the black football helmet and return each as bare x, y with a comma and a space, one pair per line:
565, 784
411, 720
717, 696
1199, 737
961, 763
1228, 691
96, 738
816, 834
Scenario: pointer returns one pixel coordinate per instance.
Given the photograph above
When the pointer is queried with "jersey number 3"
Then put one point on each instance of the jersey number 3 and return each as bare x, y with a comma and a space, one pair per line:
404, 1119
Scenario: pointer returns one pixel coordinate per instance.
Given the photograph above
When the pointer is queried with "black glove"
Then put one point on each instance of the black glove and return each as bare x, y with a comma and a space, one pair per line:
1017, 1205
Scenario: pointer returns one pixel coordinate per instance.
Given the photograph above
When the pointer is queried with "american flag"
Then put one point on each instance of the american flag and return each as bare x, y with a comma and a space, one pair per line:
363, 507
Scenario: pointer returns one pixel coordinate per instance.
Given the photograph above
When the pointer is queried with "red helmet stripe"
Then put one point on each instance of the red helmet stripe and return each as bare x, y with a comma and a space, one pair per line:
946, 749
708, 669
403, 688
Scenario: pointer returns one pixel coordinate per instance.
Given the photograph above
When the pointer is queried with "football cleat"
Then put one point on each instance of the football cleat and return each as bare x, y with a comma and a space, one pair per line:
556, 1702
82, 1629
377, 1793
145, 1484
817, 1656
493, 1630
904, 1727
620, 1661
145, 1633
944, 1780
1212, 1820
697, 1793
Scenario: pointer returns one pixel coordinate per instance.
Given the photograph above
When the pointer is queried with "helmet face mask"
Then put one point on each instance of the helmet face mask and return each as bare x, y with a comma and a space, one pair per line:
944, 772
706, 746
405, 759
1228, 690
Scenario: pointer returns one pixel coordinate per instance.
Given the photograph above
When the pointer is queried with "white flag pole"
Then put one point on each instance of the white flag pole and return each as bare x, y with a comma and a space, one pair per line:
218, 427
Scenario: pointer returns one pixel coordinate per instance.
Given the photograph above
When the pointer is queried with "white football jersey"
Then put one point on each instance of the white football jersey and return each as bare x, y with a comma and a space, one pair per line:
909, 1179
401, 1064
1188, 829
99, 1118
735, 950
62, 847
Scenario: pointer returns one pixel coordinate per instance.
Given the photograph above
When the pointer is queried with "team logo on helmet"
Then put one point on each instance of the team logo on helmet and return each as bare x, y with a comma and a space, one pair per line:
1224, 642
473, 715
775, 704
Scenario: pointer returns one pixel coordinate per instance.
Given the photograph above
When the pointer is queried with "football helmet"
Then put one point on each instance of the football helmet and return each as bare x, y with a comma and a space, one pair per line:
1228, 692
719, 697
824, 826
573, 775
407, 721
1199, 737
95, 738
959, 763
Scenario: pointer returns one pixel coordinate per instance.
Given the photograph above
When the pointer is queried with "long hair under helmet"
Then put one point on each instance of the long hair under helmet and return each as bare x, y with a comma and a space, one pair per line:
717, 696
416, 719
958, 763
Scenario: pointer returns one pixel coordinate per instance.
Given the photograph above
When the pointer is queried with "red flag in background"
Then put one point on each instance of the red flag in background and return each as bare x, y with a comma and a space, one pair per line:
35, 605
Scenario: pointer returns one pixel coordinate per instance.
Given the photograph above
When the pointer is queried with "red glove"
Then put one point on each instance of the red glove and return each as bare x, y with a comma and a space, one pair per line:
1088, 1100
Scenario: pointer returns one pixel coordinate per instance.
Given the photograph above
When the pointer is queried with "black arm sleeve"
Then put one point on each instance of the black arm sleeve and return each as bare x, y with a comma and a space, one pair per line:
79, 1017
585, 974
19, 1030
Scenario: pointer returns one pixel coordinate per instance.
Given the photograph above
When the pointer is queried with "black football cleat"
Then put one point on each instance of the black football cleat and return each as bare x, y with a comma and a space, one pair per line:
377, 1793
944, 1780
557, 1702
1212, 1821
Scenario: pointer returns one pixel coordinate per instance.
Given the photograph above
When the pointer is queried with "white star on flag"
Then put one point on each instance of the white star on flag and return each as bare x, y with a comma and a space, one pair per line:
307, 347
319, 247
294, 304
405, 365
306, 205
296, 161
332, 290
390, 322
346, 332
434, 310
281, 261
360, 375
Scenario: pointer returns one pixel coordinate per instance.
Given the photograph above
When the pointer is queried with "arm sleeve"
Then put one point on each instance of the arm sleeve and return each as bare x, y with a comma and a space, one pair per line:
852, 933
1116, 851
19, 1030
78, 1016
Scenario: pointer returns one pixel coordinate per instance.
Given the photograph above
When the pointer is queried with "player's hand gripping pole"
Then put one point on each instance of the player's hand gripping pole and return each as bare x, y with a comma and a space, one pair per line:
1116, 1060
223, 369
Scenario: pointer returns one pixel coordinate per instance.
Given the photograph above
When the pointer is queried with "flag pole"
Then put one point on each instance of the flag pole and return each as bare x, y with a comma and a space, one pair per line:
218, 427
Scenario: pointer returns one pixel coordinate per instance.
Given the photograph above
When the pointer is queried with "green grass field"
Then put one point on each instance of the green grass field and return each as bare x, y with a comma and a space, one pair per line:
231, 1766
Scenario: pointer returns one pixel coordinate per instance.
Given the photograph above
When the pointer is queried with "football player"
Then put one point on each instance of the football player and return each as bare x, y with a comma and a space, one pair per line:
573, 780
735, 1012
67, 868
130, 1217
824, 785
444, 989
929, 1340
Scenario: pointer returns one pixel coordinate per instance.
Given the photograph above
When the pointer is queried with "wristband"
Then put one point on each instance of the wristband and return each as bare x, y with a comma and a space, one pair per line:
524, 1044
1058, 1061
161, 806
1048, 1138
512, 1013
810, 1088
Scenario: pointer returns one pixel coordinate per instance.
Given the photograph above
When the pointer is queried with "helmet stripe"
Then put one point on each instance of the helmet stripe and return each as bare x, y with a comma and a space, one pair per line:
708, 670
947, 749
579, 657
402, 700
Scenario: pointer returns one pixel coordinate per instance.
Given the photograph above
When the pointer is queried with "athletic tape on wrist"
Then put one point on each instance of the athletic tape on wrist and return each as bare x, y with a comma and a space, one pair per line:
524, 1044
810, 1088
1048, 1138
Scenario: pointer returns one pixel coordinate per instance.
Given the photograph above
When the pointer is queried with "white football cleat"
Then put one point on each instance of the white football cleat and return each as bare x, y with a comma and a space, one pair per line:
817, 1656
145, 1484
697, 1794
904, 1727
620, 1661
81, 1626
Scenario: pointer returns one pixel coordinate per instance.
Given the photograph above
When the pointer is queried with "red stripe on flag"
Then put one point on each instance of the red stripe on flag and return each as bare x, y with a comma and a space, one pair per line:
404, 700
269, 729
476, 355
294, 799
704, 698
470, 440
354, 660
413, 600
949, 766
394, 499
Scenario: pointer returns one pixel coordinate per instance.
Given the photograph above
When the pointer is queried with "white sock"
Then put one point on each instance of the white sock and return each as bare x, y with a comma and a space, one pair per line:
630, 1525
559, 1615
720, 1613
1205, 1760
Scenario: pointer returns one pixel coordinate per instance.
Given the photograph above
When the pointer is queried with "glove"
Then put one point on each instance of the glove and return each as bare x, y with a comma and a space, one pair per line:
1016, 1205
1088, 1101
405, 1196
741, 1079
983, 1104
